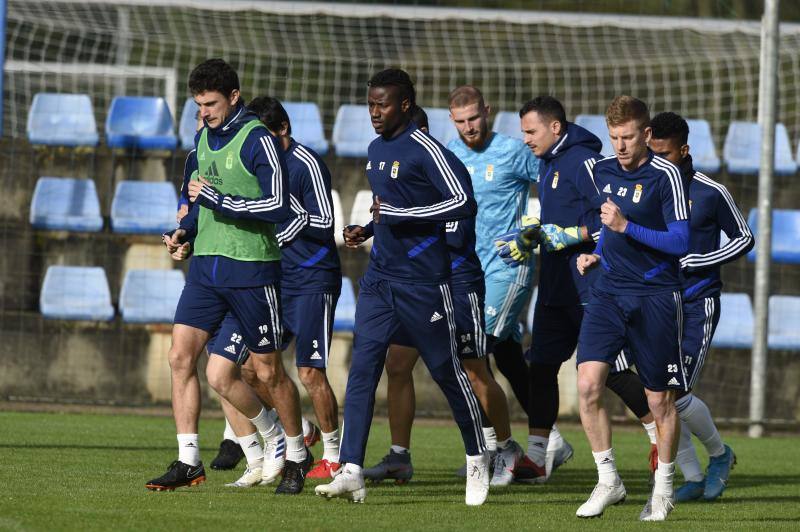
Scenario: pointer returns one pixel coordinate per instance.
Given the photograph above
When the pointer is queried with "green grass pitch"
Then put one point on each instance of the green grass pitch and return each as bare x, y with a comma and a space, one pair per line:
87, 472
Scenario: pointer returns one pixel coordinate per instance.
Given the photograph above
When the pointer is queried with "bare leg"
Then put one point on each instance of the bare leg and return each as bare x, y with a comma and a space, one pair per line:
187, 344
402, 398
662, 405
594, 416
239, 423
224, 376
282, 390
491, 396
319, 389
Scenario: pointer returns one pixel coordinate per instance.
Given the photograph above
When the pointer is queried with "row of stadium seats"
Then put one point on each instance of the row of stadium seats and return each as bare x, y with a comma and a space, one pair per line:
146, 123
735, 329
70, 204
147, 296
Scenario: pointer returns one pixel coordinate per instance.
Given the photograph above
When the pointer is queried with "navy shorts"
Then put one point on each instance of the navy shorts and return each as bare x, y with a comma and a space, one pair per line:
469, 320
649, 327
700, 319
256, 309
308, 318
227, 341
555, 333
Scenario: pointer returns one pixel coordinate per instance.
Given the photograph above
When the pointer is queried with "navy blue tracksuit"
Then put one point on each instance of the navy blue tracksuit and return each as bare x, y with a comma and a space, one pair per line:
421, 186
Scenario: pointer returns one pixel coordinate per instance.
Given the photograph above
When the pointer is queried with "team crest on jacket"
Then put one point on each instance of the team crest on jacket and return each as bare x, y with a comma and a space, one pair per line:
395, 169
555, 180
637, 193
489, 175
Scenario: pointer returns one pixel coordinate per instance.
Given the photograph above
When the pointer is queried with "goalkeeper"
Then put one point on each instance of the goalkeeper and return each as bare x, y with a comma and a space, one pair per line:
569, 224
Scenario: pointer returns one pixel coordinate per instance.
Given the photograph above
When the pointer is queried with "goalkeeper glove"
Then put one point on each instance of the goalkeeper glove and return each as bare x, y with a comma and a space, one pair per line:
556, 238
515, 247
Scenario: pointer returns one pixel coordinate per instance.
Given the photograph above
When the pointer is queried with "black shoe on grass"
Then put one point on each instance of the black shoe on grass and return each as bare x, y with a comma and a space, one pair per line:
229, 455
178, 475
294, 475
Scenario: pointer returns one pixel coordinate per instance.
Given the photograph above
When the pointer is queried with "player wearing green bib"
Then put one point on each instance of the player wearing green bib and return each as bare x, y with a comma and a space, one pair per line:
239, 193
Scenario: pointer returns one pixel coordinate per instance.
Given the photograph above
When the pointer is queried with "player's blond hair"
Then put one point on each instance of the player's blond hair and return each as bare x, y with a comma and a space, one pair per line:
465, 95
625, 108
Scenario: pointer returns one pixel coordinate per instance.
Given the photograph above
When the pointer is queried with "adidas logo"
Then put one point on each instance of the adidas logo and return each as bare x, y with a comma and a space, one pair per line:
212, 170
607, 189
253, 444
316, 356
673, 382
264, 341
231, 349
467, 350
190, 444
436, 317
605, 460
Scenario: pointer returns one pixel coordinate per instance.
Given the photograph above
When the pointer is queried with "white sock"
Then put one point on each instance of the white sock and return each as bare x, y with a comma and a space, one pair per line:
606, 467
229, 434
695, 413
537, 449
556, 441
651, 431
491, 438
330, 441
398, 449
501, 445
307, 427
251, 446
664, 474
188, 449
354, 469
687, 457
295, 448
264, 425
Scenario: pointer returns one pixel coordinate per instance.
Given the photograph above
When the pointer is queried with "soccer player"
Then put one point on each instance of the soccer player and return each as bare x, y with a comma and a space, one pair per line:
502, 169
712, 209
235, 269
418, 186
636, 302
468, 293
567, 195
312, 276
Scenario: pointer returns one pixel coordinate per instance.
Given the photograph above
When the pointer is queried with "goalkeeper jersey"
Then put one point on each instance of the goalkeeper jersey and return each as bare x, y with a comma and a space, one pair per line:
501, 175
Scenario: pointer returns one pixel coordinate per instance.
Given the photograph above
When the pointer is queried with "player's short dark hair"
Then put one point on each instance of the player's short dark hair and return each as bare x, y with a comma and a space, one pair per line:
419, 117
213, 75
395, 77
670, 125
465, 95
270, 112
548, 108
626, 108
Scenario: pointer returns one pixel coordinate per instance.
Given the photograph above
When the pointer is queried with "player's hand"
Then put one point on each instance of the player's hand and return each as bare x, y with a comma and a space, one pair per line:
508, 249
353, 236
555, 238
182, 211
182, 253
195, 187
612, 217
174, 241
376, 210
586, 262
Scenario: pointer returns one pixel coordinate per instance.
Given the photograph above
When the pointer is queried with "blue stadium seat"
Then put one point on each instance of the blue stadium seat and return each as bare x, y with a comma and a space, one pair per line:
140, 122
66, 204
785, 235
352, 131
597, 125
784, 315
62, 120
345, 317
440, 126
735, 328
150, 296
143, 207
188, 125
507, 123
76, 293
742, 150
307, 125
701, 146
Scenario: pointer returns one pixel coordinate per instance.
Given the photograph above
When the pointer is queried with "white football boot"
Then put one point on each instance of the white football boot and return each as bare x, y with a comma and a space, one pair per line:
346, 484
477, 479
250, 478
274, 458
601, 498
